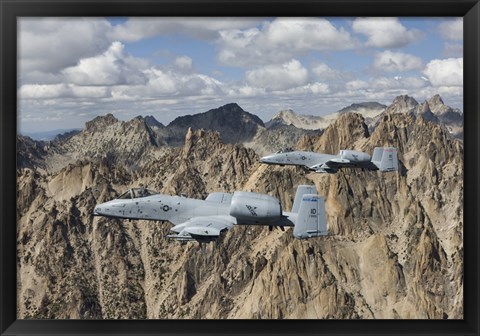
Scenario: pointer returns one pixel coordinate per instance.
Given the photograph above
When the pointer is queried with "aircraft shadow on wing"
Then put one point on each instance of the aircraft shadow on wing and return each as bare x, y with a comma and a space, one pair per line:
205, 220
384, 159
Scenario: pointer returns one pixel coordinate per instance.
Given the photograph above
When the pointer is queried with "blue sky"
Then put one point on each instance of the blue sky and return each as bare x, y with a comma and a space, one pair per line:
73, 69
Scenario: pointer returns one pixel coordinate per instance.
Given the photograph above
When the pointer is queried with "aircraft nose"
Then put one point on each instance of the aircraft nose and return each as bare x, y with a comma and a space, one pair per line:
265, 159
97, 211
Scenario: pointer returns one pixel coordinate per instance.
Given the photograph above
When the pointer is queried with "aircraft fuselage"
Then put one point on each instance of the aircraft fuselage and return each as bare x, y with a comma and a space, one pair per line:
296, 158
178, 209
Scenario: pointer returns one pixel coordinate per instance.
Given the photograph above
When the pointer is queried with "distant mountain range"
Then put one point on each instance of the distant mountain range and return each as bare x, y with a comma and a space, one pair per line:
238, 126
433, 110
50, 135
369, 110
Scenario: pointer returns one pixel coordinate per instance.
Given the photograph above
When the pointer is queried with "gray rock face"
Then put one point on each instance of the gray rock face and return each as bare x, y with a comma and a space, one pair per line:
107, 138
30, 153
402, 104
355, 108
290, 118
433, 110
445, 113
153, 123
423, 110
395, 248
234, 124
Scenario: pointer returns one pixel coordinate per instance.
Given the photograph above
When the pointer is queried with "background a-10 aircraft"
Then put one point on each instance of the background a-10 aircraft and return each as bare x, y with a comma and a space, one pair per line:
384, 159
205, 220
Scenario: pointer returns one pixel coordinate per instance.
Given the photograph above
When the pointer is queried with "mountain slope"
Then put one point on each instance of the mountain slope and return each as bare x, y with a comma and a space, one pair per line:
234, 124
433, 110
369, 110
308, 122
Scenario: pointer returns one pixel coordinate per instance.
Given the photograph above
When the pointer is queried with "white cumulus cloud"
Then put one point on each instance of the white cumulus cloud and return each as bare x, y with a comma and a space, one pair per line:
55, 91
452, 29
184, 62
50, 44
280, 40
396, 61
385, 32
445, 72
324, 72
278, 77
112, 67
356, 84
135, 29
166, 82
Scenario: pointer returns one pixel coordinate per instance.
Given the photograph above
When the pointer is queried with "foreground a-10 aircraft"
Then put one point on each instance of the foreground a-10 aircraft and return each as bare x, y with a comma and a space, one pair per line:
205, 220
384, 159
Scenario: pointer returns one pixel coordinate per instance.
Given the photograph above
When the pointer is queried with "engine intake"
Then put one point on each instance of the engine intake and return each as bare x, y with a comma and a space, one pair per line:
354, 156
255, 207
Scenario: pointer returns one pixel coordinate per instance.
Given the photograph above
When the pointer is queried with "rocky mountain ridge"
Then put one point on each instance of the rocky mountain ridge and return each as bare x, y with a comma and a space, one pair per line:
395, 248
433, 110
233, 124
290, 118
137, 141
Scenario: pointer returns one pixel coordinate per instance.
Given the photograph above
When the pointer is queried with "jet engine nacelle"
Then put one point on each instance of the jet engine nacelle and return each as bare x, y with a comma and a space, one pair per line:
354, 156
255, 207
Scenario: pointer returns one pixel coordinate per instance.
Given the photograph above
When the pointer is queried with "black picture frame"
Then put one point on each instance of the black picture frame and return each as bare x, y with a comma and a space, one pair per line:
10, 10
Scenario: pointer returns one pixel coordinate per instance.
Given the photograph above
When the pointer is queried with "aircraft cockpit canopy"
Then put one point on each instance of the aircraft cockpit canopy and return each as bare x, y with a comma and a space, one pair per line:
137, 193
285, 150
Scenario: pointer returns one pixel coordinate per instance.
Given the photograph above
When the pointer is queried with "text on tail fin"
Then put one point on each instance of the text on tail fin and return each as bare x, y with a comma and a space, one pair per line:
385, 158
311, 217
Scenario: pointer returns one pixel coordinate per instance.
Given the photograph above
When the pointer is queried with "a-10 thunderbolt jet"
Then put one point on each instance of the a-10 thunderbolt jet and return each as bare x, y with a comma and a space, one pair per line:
384, 159
205, 220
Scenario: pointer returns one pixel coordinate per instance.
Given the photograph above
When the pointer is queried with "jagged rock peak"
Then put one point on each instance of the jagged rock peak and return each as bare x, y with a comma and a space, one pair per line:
197, 134
227, 113
350, 118
366, 105
343, 133
402, 104
435, 101
234, 124
195, 138
289, 116
284, 113
303, 121
100, 122
438, 107
423, 110
152, 122
148, 120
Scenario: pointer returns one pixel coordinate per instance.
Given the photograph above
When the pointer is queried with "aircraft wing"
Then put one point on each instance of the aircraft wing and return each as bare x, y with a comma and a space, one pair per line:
329, 166
333, 165
202, 229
